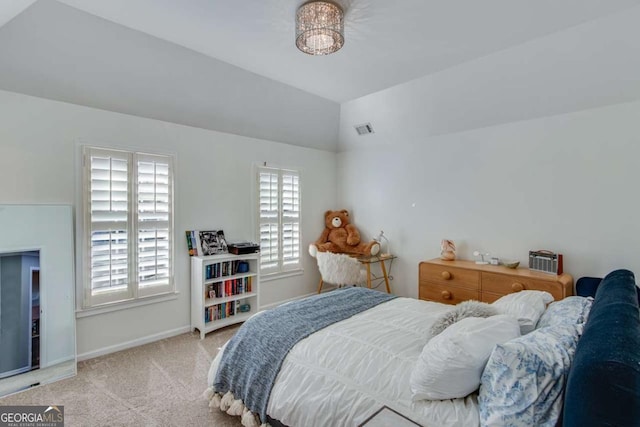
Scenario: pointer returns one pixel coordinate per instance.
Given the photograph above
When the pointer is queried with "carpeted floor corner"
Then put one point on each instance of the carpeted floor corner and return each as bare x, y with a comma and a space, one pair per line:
158, 384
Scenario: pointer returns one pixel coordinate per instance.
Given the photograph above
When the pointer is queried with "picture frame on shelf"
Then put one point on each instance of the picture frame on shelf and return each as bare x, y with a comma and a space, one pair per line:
212, 242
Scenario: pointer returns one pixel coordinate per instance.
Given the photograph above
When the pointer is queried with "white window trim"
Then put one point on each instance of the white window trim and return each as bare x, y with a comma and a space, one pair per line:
116, 306
133, 296
268, 277
280, 271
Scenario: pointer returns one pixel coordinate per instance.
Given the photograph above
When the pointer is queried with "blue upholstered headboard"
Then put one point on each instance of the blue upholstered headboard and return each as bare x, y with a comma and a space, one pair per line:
588, 286
603, 388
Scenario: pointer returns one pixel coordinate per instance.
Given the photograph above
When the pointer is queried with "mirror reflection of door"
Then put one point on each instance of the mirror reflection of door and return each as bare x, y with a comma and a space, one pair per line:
19, 295
35, 318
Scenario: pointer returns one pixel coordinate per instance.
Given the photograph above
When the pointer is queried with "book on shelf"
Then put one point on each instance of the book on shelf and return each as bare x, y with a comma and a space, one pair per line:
225, 269
190, 244
228, 288
214, 290
194, 243
219, 311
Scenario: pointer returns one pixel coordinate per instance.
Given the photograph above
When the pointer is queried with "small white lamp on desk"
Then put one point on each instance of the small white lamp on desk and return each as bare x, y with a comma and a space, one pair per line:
379, 239
481, 255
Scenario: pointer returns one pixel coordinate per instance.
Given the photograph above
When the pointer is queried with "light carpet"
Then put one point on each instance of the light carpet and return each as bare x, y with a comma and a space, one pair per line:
157, 384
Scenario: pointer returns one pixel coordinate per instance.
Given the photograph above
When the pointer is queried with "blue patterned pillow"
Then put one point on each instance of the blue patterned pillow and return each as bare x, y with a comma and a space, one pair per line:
569, 311
523, 381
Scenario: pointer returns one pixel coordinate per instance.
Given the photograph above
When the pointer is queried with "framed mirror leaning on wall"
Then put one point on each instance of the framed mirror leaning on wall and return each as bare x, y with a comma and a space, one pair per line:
37, 309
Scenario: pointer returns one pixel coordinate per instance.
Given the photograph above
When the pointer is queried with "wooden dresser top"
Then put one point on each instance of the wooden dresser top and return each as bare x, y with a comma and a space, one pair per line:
500, 269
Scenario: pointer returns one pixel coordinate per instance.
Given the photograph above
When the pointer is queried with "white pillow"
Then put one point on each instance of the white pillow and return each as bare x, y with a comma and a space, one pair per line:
526, 306
451, 363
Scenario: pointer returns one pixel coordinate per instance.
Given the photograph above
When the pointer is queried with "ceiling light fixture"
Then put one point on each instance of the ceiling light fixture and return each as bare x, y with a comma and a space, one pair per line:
319, 28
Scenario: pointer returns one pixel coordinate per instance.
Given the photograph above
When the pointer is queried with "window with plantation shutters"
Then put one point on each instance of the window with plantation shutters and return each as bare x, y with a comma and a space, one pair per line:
128, 217
279, 213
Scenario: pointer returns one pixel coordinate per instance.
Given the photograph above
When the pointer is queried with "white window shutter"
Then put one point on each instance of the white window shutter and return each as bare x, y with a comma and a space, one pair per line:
128, 225
154, 224
290, 220
107, 217
268, 201
279, 223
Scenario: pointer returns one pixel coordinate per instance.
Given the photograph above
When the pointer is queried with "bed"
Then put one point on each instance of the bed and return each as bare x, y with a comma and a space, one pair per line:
344, 372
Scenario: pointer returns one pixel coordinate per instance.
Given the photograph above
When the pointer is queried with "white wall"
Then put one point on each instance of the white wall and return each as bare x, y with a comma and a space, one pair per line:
535, 147
38, 151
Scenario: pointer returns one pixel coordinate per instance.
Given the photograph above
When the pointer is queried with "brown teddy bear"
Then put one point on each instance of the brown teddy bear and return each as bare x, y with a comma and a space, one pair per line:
340, 236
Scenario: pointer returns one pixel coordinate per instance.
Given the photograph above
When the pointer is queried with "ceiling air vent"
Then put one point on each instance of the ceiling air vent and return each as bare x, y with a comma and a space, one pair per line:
364, 129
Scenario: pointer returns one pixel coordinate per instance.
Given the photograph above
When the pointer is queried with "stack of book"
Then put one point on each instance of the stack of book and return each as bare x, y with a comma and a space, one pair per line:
228, 288
219, 311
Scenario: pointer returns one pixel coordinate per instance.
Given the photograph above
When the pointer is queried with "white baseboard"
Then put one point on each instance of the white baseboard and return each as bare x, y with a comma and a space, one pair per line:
162, 335
275, 304
133, 343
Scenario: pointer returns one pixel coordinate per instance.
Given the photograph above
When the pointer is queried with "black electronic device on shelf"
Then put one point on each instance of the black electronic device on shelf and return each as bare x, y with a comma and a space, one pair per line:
241, 248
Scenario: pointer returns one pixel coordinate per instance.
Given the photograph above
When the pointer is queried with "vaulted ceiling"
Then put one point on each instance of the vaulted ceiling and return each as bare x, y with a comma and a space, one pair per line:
387, 43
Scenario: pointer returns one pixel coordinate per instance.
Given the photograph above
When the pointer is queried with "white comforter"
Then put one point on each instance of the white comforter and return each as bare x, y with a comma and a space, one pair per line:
341, 375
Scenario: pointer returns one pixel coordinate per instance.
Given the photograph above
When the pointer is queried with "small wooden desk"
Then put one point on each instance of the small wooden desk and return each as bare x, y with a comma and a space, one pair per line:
372, 259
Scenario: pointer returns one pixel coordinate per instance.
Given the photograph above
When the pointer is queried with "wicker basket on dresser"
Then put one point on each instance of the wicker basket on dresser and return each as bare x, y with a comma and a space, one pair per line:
451, 282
